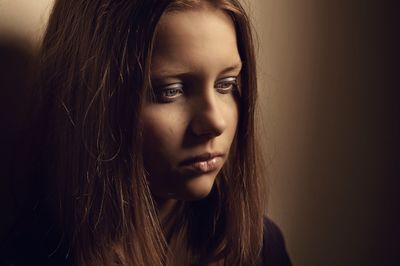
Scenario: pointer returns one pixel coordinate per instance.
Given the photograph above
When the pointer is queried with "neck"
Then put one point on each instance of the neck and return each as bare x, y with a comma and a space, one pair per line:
165, 208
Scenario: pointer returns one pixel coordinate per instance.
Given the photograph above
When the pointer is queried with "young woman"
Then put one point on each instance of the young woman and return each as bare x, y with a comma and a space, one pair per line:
151, 157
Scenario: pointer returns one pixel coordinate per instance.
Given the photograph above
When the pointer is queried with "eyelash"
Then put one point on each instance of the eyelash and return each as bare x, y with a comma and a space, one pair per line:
230, 81
223, 86
176, 89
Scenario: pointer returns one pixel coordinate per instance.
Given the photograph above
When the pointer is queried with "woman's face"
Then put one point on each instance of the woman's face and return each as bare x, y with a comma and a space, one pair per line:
190, 121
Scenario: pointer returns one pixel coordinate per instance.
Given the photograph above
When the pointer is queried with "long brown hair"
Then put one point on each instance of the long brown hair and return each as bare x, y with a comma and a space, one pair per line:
95, 73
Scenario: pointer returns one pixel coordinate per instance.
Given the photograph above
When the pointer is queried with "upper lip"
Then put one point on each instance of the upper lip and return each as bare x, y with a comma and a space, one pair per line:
201, 158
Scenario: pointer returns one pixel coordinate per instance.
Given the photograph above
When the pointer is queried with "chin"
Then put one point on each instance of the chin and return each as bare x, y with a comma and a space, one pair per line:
197, 188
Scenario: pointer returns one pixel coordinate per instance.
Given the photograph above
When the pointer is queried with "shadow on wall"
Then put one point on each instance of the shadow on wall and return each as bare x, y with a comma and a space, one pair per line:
17, 62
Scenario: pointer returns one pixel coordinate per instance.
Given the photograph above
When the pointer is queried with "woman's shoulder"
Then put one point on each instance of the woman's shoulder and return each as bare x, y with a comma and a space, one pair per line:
274, 250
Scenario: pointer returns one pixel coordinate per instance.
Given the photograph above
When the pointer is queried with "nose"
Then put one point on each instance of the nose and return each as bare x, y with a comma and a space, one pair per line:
208, 117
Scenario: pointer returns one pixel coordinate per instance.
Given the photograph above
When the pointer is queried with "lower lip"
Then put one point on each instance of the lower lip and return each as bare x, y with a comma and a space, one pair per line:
205, 166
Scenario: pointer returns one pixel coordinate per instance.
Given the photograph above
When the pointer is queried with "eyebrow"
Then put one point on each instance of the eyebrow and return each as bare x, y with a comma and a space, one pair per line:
235, 67
183, 72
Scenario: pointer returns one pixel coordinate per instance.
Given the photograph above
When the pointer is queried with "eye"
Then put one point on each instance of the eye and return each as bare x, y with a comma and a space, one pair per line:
169, 93
226, 85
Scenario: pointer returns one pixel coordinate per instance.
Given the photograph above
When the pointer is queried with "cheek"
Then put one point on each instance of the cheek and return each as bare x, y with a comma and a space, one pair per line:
162, 131
232, 117
235, 114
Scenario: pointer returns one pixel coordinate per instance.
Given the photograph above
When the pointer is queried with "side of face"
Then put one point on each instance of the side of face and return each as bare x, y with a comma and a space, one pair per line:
190, 122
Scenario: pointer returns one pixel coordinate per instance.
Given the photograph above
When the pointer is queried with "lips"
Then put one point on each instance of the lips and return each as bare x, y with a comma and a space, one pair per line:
203, 163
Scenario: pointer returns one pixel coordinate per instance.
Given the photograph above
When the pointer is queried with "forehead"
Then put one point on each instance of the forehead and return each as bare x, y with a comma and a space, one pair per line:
193, 36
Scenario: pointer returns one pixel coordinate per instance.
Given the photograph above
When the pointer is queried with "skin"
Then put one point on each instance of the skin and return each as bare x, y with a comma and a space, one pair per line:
194, 108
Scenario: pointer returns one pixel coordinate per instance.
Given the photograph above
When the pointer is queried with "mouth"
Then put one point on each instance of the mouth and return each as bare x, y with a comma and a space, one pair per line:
203, 163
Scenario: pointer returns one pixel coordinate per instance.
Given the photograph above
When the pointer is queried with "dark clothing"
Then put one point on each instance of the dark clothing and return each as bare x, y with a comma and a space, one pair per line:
274, 251
40, 243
